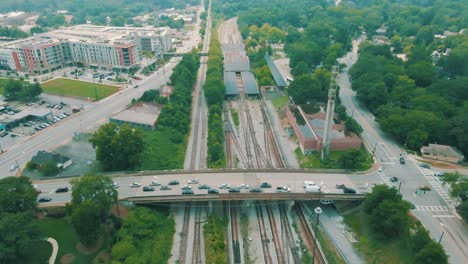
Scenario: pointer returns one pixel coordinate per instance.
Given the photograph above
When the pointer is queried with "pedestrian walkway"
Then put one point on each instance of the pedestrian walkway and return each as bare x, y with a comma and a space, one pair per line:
332, 223
429, 175
53, 256
429, 208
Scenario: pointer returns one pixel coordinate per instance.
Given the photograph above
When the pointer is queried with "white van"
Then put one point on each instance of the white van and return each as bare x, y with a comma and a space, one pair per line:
309, 183
312, 189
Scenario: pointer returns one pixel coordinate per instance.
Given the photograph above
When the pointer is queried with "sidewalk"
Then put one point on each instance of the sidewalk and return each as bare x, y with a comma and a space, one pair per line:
332, 223
53, 256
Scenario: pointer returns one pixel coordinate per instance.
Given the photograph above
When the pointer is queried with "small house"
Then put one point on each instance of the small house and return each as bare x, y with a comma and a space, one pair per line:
43, 157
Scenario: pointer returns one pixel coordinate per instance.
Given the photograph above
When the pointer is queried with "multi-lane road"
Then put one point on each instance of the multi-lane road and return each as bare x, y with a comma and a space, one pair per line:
433, 208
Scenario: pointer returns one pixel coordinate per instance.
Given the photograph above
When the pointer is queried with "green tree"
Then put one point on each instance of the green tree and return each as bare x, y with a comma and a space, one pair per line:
352, 126
379, 194
351, 159
463, 210
86, 219
118, 148
17, 195
432, 252
19, 233
94, 188
49, 168
390, 219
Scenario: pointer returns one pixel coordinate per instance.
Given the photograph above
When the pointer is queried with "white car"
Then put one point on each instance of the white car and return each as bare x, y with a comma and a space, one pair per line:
380, 169
155, 183
13, 167
193, 181
224, 186
283, 189
135, 184
115, 185
243, 186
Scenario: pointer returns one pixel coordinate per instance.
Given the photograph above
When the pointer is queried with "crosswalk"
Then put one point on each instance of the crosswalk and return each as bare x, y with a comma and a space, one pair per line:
429, 208
385, 178
437, 186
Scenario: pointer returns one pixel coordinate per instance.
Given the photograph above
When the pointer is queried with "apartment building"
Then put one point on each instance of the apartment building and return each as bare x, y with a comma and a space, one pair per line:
106, 48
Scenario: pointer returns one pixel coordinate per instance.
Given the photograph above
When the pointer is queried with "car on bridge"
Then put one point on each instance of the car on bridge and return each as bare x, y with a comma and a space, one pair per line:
256, 190
234, 190
186, 187
349, 190
243, 186
204, 187
174, 182
135, 184
340, 186
165, 188
45, 199
224, 186
265, 185
193, 181
213, 191
148, 189
283, 189
187, 191
155, 183
61, 190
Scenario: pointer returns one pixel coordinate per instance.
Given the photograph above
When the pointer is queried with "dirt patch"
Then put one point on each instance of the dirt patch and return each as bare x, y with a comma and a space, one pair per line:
67, 259
122, 212
102, 257
90, 250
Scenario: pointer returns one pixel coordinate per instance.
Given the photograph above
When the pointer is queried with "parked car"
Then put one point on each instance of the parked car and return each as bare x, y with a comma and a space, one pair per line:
193, 181
165, 188
45, 199
349, 190
213, 191
38, 128
135, 184
224, 186
256, 190
204, 186
234, 190
174, 182
148, 189
265, 185
61, 190
3, 134
187, 191
425, 165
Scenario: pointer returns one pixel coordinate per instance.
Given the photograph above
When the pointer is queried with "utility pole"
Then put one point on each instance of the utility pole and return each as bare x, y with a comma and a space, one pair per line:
329, 114
317, 211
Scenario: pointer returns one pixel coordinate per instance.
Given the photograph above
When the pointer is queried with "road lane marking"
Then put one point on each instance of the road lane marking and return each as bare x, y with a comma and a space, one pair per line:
446, 216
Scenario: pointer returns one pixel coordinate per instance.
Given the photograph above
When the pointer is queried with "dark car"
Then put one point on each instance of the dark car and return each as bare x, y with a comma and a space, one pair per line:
349, 190
234, 190
256, 190
174, 182
424, 165
148, 189
265, 185
45, 199
204, 186
393, 179
187, 191
165, 188
402, 160
340, 186
61, 190
213, 191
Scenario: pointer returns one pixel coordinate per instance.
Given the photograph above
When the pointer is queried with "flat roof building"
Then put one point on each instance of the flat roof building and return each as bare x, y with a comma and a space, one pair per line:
107, 48
142, 115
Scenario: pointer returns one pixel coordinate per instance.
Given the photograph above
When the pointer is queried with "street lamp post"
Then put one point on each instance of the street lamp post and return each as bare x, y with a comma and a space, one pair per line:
317, 211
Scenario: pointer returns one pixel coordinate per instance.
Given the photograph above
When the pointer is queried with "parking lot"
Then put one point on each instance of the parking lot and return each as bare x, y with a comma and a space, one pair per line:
31, 119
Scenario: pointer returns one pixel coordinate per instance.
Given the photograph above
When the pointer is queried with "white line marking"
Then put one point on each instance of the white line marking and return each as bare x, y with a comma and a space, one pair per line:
447, 216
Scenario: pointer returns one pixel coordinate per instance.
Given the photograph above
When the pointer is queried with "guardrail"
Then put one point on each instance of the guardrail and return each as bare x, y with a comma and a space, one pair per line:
243, 196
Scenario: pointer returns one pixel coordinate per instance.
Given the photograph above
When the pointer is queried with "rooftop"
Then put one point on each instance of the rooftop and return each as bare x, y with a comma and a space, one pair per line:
42, 157
441, 150
140, 113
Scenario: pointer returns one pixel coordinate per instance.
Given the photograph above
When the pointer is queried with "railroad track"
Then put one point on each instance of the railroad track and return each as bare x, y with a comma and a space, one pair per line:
263, 234
276, 240
235, 232
308, 236
184, 235
197, 237
230, 139
270, 139
287, 230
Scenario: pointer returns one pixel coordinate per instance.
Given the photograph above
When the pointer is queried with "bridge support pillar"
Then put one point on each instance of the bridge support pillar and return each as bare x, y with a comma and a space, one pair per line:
210, 207
289, 205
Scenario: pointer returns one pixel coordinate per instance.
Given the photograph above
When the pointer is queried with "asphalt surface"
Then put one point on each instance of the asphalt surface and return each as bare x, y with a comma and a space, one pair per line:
87, 120
433, 208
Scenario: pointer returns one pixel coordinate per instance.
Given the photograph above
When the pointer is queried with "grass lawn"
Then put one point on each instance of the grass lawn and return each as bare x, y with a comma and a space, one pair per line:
279, 102
67, 87
311, 161
375, 251
160, 152
66, 237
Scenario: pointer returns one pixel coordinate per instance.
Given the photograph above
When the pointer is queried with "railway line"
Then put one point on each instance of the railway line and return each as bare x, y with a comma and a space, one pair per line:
275, 231
197, 237
235, 232
289, 241
263, 234
184, 235
308, 236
